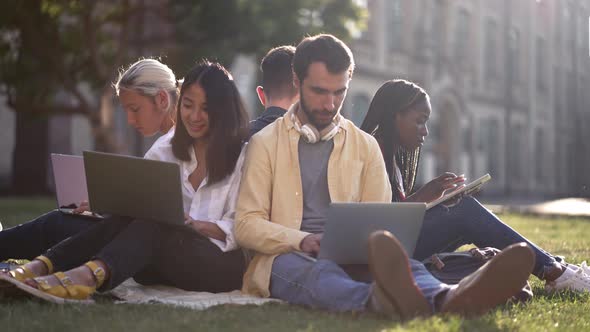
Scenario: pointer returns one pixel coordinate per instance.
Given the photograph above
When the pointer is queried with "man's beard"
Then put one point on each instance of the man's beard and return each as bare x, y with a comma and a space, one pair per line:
310, 114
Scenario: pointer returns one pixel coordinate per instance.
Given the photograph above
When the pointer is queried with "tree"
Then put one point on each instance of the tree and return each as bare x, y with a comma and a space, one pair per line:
55, 58
60, 56
220, 29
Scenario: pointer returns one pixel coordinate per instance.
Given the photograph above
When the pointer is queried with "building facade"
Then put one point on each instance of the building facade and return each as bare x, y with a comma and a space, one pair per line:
508, 82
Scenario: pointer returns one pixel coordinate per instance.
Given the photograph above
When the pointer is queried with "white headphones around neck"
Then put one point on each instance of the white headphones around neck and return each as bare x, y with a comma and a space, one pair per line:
310, 133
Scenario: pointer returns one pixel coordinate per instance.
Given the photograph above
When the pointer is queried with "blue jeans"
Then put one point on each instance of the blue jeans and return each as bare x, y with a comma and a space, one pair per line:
325, 285
446, 229
33, 238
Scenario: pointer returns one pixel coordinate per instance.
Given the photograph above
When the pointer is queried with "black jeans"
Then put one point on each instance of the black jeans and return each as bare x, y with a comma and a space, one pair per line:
153, 253
33, 238
81, 247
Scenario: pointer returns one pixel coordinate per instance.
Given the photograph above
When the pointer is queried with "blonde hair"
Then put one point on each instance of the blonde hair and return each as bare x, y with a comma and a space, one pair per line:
148, 77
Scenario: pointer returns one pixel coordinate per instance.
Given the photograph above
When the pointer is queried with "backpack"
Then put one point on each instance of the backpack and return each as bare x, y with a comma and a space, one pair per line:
451, 267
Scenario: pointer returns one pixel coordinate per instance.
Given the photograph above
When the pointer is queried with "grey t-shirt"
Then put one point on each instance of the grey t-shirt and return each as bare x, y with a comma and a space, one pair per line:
313, 164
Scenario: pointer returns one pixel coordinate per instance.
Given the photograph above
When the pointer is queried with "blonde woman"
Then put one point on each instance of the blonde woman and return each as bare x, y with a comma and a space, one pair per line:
208, 145
148, 93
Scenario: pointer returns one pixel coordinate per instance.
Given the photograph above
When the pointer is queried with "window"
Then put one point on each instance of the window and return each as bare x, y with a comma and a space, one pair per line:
482, 136
395, 25
569, 31
360, 106
567, 18
516, 146
462, 34
466, 135
438, 26
420, 34
367, 33
513, 54
491, 46
494, 149
433, 133
488, 138
579, 32
540, 152
540, 64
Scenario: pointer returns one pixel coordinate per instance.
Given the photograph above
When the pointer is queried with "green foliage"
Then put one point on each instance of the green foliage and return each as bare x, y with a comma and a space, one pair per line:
21, 45
559, 312
60, 56
55, 46
50, 49
220, 29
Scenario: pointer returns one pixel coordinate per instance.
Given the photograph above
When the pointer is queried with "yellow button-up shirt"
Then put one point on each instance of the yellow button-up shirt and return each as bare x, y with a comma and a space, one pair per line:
270, 203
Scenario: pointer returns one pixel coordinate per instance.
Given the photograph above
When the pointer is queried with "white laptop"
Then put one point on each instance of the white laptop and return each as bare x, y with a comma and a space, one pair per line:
70, 183
349, 225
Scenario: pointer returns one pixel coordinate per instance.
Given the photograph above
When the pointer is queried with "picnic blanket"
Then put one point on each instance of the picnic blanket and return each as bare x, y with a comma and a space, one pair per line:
132, 292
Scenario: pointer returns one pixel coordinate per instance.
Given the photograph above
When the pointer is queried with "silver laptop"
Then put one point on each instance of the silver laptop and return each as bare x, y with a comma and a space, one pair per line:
134, 187
70, 183
69, 179
350, 224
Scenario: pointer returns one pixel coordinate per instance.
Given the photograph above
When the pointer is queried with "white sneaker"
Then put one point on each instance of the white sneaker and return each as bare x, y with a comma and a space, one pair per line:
584, 267
574, 278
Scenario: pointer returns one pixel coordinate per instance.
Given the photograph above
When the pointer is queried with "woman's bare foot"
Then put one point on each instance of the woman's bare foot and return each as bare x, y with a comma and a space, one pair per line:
37, 267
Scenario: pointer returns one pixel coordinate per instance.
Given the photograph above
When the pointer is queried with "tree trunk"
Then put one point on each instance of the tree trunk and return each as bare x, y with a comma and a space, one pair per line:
103, 127
30, 154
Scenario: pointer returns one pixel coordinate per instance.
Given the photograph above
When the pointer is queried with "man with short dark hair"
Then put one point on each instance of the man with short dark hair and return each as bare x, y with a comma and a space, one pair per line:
277, 92
312, 156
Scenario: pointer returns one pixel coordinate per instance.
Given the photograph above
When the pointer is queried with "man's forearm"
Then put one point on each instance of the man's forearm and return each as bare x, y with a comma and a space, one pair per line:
267, 237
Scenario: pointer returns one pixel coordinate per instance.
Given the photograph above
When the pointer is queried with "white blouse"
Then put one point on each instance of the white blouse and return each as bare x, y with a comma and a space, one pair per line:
215, 203
161, 140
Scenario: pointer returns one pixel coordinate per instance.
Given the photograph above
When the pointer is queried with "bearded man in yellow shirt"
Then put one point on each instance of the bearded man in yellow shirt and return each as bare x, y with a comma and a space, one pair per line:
297, 166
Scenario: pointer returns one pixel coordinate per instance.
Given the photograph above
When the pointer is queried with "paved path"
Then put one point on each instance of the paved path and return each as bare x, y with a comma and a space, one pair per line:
572, 207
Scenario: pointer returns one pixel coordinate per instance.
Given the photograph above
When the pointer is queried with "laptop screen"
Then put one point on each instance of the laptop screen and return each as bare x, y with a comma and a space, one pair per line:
70, 179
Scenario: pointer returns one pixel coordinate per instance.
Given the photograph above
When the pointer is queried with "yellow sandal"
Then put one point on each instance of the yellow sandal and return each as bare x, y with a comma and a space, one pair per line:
66, 291
20, 274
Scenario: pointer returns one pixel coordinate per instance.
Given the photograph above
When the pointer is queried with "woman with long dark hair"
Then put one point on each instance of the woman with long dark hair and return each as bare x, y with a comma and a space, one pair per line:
397, 118
208, 145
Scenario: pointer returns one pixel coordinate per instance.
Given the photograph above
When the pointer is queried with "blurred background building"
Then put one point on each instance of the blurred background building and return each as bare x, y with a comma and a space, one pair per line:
508, 82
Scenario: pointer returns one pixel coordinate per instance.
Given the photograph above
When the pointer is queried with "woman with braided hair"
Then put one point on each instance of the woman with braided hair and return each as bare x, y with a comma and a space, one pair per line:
397, 118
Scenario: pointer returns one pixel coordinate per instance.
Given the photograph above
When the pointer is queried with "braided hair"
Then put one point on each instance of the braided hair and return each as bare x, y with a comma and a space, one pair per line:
392, 97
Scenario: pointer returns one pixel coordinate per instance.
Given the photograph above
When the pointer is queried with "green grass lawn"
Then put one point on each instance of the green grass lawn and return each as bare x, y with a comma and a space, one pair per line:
562, 312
